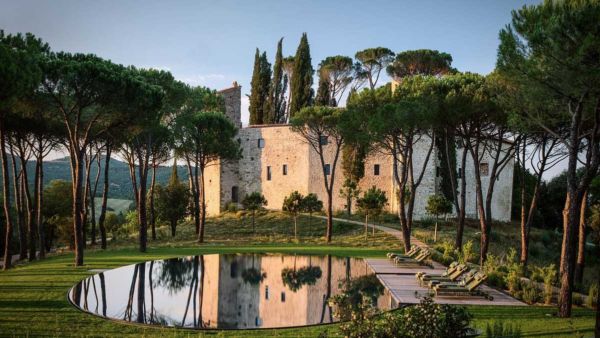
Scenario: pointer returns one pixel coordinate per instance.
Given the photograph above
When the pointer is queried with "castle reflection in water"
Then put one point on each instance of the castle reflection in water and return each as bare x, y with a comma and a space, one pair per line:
233, 291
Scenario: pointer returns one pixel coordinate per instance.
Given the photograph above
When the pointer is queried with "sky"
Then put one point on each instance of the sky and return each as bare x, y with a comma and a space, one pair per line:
212, 43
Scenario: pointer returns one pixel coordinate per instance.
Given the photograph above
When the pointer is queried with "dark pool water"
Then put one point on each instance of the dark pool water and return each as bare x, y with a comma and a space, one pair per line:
232, 291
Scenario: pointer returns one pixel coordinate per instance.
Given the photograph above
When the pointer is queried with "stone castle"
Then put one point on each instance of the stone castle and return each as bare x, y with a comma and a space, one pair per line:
276, 161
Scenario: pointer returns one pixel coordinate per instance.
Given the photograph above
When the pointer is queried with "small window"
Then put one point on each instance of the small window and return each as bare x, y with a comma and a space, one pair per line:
268, 173
438, 171
460, 172
283, 297
323, 140
233, 269
267, 292
235, 193
284, 169
484, 169
261, 142
327, 169
376, 170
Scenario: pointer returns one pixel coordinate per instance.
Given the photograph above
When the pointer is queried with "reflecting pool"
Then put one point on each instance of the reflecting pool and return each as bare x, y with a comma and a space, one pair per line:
224, 291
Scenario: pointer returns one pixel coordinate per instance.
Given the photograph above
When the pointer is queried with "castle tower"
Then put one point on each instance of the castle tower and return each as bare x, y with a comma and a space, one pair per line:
222, 184
233, 97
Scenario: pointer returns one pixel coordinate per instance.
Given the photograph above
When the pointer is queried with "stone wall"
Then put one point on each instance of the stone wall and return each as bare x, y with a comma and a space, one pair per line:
280, 146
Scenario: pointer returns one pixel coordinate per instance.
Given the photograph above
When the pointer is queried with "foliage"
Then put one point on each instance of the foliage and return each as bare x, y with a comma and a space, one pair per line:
113, 224
592, 296
302, 78
254, 201
259, 89
311, 203
466, 254
335, 75
172, 200
438, 205
357, 294
531, 294
371, 62
499, 329
276, 112
420, 62
293, 203
294, 279
372, 202
253, 276
548, 276
515, 272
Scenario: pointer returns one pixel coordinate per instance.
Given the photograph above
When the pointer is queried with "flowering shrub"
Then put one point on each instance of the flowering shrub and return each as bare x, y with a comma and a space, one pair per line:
427, 320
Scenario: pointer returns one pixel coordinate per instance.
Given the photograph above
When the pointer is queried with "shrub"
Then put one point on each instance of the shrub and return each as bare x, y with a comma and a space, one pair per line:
426, 319
515, 272
546, 275
231, 207
467, 253
592, 296
499, 329
577, 299
447, 253
496, 279
531, 294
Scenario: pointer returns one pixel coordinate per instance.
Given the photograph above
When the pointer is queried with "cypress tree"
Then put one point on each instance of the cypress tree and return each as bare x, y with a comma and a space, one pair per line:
276, 103
323, 93
256, 103
302, 79
259, 91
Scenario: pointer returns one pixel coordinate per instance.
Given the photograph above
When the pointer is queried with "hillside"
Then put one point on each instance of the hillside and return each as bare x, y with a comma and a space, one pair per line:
120, 182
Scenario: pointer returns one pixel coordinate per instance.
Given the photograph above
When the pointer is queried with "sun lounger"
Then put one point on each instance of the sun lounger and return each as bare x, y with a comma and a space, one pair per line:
462, 289
418, 260
414, 250
450, 275
464, 279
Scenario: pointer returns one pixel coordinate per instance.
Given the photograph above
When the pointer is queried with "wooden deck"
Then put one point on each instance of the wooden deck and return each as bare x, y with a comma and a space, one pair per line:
403, 286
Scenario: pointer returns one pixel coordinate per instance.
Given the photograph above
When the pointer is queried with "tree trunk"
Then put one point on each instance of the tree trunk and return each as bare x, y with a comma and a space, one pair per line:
30, 207
141, 294
349, 205
366, 225
93, 198
329, 216
597, 331
106, 185
203, 208
173, 227
296, 227
6, 200
451, 168
152, 212
143, 222
462, 212
76, 174
579, 267
86, 197
40, 202
18, 188
524, 233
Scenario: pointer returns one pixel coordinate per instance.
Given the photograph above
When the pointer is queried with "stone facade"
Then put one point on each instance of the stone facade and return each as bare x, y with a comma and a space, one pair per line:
276, 161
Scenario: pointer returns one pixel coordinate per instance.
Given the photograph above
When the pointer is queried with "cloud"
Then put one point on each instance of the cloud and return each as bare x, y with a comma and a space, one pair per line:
204, 79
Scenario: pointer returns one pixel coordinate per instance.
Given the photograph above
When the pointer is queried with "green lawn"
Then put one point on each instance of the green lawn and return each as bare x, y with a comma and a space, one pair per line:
33, 299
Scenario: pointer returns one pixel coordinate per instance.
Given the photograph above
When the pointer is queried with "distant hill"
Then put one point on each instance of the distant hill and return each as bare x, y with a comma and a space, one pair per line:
119, 180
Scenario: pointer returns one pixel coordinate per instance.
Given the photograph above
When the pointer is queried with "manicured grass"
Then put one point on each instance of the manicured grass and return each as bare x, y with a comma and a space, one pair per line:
33, 297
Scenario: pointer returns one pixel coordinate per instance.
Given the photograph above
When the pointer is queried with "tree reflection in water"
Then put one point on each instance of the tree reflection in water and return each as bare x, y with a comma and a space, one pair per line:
174, 274
208, 292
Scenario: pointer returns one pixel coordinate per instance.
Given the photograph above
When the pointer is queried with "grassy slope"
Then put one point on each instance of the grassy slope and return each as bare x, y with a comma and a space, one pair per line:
33, 297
